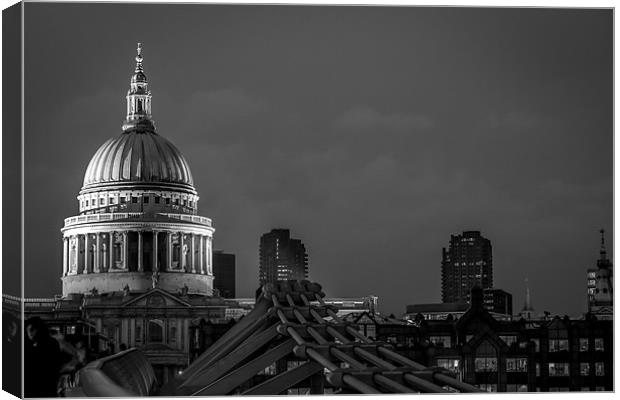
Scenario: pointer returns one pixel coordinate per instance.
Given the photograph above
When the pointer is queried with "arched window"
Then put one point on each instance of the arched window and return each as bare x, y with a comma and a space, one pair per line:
156, 331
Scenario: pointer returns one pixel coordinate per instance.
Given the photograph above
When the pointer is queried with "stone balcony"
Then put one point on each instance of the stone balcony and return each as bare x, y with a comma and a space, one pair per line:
109, 217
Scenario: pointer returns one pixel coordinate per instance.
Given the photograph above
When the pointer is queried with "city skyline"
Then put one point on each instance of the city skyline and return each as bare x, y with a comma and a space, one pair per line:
371, 158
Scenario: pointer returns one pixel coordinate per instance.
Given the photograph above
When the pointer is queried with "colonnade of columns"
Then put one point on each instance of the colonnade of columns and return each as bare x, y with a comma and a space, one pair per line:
124, 251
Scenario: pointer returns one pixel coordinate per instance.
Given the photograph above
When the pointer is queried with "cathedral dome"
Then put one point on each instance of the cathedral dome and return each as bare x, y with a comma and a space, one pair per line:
138, 157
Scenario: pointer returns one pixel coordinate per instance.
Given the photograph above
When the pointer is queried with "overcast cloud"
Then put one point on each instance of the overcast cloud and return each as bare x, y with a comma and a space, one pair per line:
372, 133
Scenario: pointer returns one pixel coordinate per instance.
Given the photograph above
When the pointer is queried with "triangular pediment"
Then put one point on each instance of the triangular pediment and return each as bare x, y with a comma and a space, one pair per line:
156, 298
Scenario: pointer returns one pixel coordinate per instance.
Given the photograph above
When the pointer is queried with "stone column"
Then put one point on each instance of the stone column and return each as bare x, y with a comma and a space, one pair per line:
204, 256
140, 250
169, 250
74, 255
104, 257
97, 250
65, 264
155, 265
86, 253
125, 255
182, 253
111, 265
209, 257
193, 250
201, 253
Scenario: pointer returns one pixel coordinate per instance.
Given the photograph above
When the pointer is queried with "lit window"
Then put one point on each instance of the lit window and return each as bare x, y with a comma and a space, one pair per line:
451, 364
558, 369
537, 369
516, 364
558, 345
536, 344
599, 368
599, 344
584, 369
483, 364
488, 387
583, 344
440, 341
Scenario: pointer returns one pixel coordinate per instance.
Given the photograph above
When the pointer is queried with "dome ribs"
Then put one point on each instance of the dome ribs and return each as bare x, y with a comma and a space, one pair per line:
125, 167
137, 157
103, 168
115, 173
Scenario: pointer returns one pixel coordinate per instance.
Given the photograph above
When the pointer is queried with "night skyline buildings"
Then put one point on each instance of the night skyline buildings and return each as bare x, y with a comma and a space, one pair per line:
467, 262
281, 257
516, 150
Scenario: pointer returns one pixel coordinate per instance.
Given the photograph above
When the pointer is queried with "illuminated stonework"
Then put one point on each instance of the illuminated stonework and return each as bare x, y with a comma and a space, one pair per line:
137, 226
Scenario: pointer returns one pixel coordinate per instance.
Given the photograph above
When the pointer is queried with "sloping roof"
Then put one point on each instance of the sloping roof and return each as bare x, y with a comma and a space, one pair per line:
437, 307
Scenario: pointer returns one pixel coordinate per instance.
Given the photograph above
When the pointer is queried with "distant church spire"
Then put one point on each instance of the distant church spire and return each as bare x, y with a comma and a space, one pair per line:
139, 99
527, 311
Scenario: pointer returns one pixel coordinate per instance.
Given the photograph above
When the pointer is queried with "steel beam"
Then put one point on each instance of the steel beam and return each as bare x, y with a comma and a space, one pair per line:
235, 378
285, 380
220, 367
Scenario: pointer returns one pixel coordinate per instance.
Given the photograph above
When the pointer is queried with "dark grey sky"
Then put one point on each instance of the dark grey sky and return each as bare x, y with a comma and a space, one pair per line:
372, 133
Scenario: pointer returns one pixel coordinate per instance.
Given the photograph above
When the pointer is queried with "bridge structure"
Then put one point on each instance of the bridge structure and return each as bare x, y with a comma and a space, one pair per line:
292, 342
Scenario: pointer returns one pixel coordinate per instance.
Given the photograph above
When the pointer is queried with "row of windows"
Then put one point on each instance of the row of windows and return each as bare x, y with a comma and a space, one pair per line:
555, 345
519, 364
135, 199
492, 387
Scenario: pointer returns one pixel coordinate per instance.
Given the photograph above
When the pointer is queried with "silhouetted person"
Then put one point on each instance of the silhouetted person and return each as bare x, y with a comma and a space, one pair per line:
42, 360
11, 355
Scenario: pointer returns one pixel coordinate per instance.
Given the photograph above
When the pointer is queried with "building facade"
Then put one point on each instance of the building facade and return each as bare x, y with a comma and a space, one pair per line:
600, 285
468, 262
542, 355
224, 274
497, 301
281, 257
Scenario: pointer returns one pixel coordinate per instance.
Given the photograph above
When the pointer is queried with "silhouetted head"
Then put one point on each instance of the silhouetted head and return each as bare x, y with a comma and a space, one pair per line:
36, 329
11, 326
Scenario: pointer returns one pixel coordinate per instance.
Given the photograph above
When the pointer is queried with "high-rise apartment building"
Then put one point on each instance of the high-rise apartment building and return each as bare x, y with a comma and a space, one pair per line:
224, 274
282, 257
468, 262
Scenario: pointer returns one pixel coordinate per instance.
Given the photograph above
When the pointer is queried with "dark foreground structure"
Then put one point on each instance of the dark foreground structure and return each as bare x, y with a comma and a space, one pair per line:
291, 343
